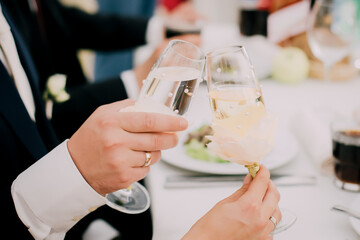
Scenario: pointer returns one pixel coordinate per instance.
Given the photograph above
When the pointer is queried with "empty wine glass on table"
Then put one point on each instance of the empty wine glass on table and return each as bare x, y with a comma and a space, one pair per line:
244, 132
331, 31
168, 89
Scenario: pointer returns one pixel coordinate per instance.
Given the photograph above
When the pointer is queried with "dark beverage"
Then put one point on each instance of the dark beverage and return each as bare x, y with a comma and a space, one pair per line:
346, 151
253, 22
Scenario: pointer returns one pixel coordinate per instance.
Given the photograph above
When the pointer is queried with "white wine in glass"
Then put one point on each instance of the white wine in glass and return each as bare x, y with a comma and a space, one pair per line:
244, 132
331, 31
168, 89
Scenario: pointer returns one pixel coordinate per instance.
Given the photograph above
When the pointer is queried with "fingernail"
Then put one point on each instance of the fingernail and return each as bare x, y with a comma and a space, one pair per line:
183, 123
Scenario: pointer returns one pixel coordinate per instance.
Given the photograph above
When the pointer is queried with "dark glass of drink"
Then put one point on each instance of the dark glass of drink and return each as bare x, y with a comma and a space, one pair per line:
253, 22
346, 152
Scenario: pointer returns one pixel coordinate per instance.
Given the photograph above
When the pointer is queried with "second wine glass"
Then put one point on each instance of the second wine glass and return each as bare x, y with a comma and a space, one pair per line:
331, 31
244, 132
168, 89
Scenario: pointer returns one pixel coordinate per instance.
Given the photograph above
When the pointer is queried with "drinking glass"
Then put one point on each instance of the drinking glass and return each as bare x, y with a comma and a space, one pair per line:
244, 132
331, 31
345, 151
168, 89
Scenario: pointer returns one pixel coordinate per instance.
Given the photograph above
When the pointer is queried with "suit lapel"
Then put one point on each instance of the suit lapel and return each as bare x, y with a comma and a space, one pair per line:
13, 109
17, 116
43, 124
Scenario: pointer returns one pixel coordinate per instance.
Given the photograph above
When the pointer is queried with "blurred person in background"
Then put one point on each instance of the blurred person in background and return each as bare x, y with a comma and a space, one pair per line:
110, 64
55, 33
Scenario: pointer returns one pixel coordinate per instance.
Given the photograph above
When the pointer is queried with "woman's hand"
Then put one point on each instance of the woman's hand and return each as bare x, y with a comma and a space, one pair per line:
109, 148
244, 215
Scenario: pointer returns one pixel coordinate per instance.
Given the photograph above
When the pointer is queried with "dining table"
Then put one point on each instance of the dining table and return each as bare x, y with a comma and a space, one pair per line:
305, 111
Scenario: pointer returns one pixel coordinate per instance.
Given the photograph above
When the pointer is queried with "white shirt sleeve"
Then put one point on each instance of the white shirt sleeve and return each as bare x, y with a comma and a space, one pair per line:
51, 196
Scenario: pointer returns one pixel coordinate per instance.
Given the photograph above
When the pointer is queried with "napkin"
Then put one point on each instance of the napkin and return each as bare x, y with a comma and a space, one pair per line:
312, 129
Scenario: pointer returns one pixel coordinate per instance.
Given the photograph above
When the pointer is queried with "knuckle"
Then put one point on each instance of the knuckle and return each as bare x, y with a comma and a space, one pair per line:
156, 141
124, 178
149, 121
112, 164
260, 224
107, 142
104, 122
101, 109
254, 207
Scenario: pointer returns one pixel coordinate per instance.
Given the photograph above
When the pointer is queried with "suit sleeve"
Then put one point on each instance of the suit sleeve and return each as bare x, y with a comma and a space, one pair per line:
103, 31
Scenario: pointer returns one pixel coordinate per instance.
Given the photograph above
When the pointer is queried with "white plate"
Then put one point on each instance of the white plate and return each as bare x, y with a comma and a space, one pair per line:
284, 150
355, 223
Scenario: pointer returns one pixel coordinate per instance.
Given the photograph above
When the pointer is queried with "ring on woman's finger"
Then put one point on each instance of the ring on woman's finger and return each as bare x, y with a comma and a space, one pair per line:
273, 220
147, 159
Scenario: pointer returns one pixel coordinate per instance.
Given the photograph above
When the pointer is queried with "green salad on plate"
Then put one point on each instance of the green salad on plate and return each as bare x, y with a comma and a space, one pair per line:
195, 145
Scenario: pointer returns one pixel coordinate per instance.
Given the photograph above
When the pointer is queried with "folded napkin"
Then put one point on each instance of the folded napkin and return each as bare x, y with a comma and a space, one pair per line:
312, 129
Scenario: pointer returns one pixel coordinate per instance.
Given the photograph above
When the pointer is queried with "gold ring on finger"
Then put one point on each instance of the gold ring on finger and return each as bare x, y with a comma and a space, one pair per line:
147, 159
273, 220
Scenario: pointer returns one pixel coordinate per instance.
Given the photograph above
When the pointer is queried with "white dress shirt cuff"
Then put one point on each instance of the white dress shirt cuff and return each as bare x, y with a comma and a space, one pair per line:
129, 79
51, 196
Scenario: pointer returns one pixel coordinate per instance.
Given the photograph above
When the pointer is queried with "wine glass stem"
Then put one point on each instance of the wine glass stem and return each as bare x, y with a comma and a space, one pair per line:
253, 169
127, 193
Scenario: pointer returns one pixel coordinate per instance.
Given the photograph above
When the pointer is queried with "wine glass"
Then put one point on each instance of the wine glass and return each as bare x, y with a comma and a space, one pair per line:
244, 132
331, 31
169, 88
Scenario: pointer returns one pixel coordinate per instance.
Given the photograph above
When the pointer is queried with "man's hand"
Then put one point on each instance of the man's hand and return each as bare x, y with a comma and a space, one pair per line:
109, 148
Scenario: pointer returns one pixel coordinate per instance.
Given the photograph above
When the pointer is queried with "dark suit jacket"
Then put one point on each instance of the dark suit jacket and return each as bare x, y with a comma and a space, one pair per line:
22, 142
67, 30
54, 41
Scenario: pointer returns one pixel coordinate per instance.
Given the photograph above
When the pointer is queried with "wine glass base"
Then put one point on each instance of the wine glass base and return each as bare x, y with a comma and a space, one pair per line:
134, 201
288, 219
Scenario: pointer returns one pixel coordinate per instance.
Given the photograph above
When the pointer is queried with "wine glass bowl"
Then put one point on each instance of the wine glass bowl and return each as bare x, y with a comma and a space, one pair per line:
331, 31
173, 80
244, 132
168, 89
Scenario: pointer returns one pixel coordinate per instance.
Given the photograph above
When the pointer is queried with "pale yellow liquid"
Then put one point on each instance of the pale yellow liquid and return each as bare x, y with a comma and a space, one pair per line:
236, 107
169, 89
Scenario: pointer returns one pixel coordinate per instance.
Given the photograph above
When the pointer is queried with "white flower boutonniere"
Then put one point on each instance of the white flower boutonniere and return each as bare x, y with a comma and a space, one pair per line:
55, 88
55, 92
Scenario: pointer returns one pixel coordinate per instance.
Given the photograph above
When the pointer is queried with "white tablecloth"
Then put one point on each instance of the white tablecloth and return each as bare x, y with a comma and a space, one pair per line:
175, 210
